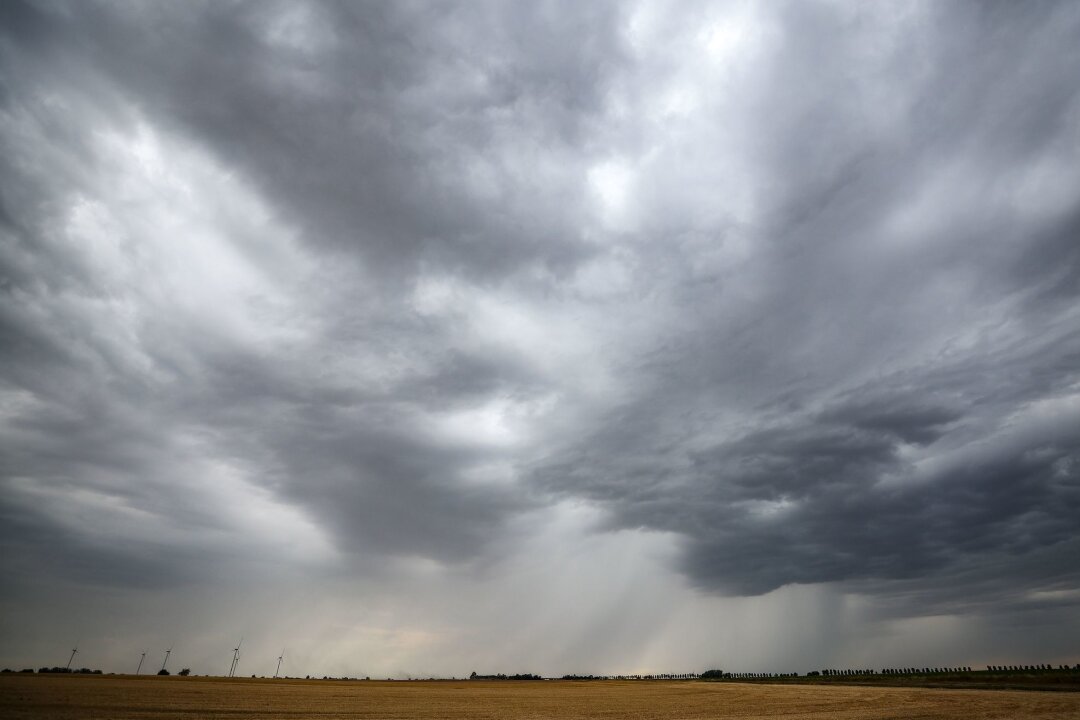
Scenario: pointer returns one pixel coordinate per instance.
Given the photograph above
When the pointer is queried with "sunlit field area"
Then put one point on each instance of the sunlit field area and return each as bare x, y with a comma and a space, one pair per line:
125, 697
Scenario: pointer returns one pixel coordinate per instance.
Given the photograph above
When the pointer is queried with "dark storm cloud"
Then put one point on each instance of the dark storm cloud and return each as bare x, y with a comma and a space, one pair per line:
360, 129
400, 132
807, 303
788, 431
832, 495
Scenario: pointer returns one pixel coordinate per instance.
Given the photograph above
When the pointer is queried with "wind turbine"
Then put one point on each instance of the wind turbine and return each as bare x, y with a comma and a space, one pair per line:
140, 663
166, 658
279, 663
235, 657
73, 651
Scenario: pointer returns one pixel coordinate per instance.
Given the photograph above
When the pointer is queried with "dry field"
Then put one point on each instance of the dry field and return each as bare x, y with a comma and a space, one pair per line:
127, 698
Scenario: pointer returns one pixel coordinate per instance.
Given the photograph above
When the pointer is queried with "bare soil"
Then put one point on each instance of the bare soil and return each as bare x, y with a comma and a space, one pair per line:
44, 697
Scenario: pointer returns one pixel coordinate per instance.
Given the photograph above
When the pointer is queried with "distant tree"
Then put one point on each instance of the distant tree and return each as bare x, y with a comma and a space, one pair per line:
185, 672
712, 674
504, 676
162, 671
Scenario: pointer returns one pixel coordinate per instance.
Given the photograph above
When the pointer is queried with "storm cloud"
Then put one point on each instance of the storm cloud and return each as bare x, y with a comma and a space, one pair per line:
384, 299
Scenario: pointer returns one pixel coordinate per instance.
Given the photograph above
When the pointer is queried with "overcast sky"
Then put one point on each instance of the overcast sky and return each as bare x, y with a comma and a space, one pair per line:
424, 338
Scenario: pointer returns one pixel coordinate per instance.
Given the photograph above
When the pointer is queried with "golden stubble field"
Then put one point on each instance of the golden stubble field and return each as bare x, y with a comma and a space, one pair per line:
130, 698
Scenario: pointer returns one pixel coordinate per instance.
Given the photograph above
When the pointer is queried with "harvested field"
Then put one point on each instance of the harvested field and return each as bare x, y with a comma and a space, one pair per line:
130, 698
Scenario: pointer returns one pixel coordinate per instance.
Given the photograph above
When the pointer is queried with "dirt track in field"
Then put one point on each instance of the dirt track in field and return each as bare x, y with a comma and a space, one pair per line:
128, 698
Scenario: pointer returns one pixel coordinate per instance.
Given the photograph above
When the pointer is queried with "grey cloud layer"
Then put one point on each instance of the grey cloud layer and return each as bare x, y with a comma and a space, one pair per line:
867, 398
823, 328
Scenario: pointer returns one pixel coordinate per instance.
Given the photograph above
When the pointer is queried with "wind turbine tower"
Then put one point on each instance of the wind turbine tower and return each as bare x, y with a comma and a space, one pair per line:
138, 669
276, 672
235, 658
166, 658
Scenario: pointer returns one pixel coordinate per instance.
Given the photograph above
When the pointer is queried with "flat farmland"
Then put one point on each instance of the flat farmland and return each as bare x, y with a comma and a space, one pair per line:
130, 698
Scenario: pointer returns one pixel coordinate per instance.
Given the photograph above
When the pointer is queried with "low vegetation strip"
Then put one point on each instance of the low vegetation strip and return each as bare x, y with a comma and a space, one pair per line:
76, 697
1066, 679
